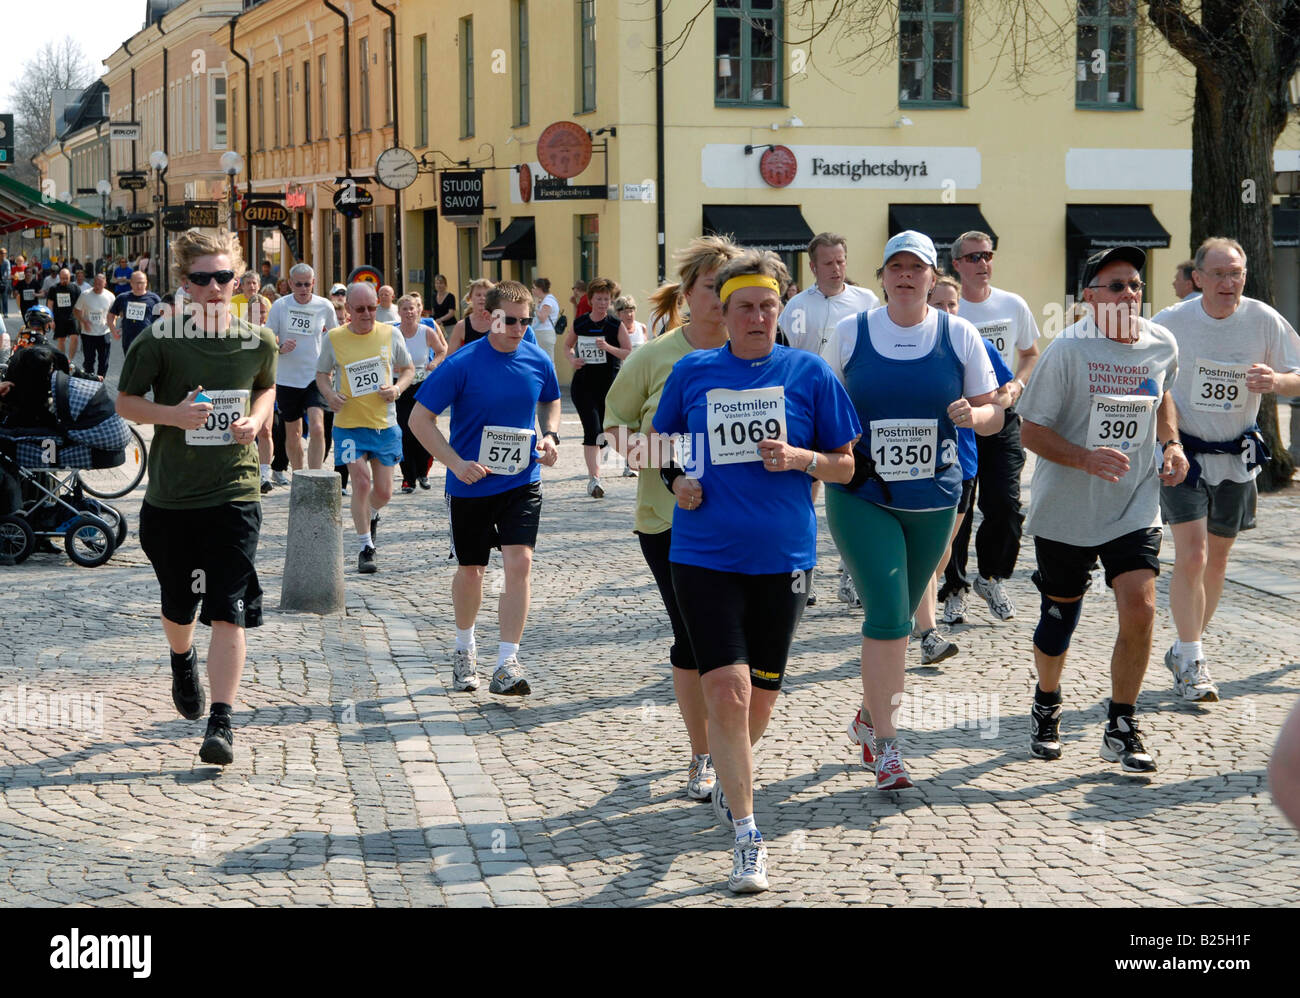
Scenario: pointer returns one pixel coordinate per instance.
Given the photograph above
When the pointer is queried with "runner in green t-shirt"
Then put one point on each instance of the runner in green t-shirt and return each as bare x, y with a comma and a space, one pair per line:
213, 382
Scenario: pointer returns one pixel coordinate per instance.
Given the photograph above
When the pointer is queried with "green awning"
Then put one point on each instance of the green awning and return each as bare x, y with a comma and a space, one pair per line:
23, 207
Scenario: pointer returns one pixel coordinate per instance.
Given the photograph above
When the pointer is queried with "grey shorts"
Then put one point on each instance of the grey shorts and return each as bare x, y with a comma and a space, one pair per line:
1228, 508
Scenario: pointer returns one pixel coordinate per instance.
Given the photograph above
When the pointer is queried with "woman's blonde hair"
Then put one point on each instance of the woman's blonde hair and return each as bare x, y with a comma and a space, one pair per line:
624, 301
754, 261
410, 296
189, 246
701, 255
481, 282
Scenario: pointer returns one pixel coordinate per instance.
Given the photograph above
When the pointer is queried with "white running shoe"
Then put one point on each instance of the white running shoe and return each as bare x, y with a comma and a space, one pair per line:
864, 735
279, 478
995, 595
720, 810
848, 592
464, 674
935, 647
701, 779
954, 608
749, 865
1191, 682
509, 679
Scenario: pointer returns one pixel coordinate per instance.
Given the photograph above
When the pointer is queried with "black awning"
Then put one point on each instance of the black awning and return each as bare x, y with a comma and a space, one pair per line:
1101, 226
943, 223
515, 243
1286, 226
777, 227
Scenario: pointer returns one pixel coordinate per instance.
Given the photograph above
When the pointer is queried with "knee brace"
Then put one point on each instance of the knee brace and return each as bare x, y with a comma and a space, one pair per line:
1056, 625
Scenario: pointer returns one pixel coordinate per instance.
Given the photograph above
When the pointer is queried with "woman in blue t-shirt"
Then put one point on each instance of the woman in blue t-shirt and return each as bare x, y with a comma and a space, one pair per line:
760, 422
916, 376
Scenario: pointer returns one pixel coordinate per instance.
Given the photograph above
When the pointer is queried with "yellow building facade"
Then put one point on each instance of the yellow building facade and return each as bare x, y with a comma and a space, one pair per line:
1094, 150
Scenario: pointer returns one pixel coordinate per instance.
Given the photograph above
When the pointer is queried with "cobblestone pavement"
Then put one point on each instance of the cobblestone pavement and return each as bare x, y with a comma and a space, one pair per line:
360, 779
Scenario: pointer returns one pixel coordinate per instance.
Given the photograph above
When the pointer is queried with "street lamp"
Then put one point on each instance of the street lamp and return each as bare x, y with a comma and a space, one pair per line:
232, 164
105, 189
158, 160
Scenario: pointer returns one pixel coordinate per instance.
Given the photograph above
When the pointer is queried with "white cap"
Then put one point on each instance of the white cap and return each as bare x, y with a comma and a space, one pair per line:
909, 241
338, 289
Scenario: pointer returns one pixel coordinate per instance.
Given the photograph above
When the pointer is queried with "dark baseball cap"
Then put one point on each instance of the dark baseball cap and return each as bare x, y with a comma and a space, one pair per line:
1127, 254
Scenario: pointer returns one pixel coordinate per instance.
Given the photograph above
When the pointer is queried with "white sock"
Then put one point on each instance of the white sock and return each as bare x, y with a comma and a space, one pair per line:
365, 541
465, 638
744, 826
504, 650
1190, 651
266, 472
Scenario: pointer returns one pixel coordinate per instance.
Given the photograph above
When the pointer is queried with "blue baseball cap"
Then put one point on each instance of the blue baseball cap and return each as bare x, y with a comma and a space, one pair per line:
910, 241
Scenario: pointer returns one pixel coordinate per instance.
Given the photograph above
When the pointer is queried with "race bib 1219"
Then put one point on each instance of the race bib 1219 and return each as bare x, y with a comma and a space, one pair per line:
590, 351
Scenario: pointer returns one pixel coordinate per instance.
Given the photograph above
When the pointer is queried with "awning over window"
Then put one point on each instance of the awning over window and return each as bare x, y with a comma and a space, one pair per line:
1286, 226
943, 223
21, 207
1101, 226
777, 227
517, 242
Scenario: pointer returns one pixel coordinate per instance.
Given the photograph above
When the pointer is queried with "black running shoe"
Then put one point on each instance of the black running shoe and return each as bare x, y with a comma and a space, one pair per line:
1123, 744
219, 742
407, 488
366, 561
266, 486
187, 689
1045, 731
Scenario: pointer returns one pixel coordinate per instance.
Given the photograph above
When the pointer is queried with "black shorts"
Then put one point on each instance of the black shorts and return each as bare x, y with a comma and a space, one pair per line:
733, 618
293, 403
967, 489
1227, 508
481, 524
1065, 570
205, 557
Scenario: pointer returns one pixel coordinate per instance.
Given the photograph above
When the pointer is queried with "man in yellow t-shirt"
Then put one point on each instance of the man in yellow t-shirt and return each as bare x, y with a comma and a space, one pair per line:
374, 369
249, 305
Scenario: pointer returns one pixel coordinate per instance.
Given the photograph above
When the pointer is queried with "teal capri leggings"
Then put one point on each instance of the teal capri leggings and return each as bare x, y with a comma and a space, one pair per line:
891, 555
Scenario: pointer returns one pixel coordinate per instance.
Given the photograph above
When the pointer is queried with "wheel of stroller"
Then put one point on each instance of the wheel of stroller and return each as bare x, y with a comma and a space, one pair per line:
120, 528
89, 541
16, 539
113, 483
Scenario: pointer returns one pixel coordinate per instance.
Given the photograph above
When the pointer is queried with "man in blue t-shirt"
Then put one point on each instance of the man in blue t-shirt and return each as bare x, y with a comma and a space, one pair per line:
137, 310
501, 388
121, 277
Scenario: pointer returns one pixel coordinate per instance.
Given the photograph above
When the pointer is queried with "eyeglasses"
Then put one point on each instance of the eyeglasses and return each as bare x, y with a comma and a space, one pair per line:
1226, 275
300, 284
1115, 287
365, 308
203, 278
984, 256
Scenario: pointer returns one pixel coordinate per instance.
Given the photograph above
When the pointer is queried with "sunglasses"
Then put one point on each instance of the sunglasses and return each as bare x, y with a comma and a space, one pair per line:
510, 320
984, 256
1115, 287
366, 308
203, 278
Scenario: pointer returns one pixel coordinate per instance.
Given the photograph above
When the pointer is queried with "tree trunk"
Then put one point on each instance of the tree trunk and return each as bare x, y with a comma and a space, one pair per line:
1235, 126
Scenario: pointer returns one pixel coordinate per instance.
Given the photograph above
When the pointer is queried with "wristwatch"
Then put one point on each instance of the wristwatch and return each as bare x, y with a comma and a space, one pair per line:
553, 435
1172, 443
812, 465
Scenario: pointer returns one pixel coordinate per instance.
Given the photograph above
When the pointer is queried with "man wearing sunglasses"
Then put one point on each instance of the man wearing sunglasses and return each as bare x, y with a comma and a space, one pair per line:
300, 322
500, 389
1233, 349
1005, 320
375, 368
1098, 405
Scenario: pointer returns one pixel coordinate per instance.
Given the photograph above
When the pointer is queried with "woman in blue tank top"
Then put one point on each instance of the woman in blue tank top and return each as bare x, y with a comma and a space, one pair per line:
915, 376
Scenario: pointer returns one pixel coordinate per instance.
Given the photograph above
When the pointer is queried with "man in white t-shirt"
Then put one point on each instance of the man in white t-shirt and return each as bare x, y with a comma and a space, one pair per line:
387, 310
807, 323
1184, 282
91, 312
1005, 320
1232, 350
300, 322
546, 309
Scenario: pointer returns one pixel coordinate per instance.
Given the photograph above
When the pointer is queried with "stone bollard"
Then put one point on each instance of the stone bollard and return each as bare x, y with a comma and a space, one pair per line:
313, 558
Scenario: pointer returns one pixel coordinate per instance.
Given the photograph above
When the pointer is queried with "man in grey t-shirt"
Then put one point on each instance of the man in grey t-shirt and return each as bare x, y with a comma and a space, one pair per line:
1098, 404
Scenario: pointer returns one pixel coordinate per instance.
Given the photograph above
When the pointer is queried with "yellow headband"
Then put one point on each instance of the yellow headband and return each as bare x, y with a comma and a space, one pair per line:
748, 281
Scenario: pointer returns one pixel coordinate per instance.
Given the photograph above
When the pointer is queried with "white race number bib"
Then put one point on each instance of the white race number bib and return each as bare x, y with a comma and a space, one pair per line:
228, 407
300, 322
1120, 421
62, 299
1219, 387
998, 332
904, 449
590, 351
738, 420
505, 450
365, 377
135, 311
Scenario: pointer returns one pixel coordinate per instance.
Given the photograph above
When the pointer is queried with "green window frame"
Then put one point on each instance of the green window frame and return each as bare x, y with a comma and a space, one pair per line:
1106, 60
421, 91
930, 42
747, 53
586, 56
521, 62
466, 77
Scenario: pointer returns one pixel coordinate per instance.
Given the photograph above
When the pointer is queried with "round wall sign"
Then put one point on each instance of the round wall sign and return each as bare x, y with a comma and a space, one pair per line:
525, 183
778, 166
564, 149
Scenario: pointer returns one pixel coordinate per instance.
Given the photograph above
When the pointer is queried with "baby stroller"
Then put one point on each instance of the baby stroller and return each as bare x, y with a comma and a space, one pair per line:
52, 424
